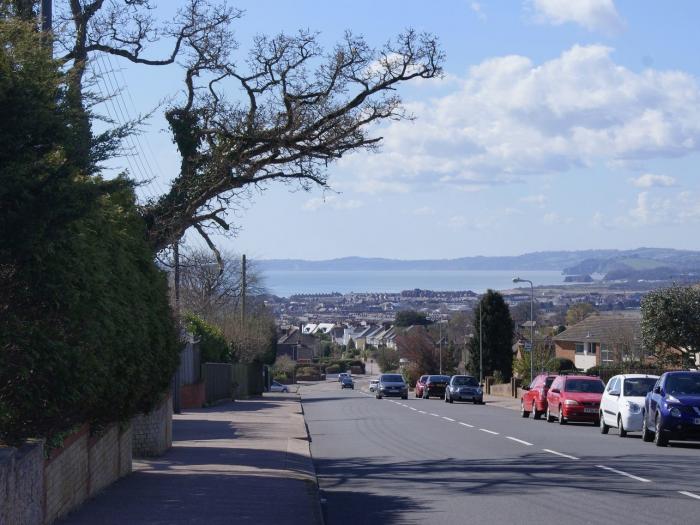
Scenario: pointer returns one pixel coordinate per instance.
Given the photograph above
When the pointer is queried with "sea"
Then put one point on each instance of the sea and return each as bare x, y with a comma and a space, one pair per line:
285, 283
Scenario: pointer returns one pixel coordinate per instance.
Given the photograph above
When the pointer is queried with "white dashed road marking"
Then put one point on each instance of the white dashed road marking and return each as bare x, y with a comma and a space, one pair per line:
422, 411
448, 418
466, 425
559, 454
436, 415
489, 431
621, 473
413, 408
689, 494
519, 441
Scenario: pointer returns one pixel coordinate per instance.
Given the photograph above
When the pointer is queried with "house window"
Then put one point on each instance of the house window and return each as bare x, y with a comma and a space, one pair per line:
606, 354
579, 348
592, 348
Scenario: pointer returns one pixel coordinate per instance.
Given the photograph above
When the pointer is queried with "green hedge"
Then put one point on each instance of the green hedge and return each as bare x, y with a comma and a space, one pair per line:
86, 333
212, 343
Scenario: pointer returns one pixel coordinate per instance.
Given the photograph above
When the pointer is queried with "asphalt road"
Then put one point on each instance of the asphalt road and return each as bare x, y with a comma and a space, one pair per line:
425, 461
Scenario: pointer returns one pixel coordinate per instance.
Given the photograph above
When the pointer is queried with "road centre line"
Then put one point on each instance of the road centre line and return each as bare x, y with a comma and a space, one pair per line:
559, 454
436, 415
689, 494
448, 418
489, 431
519, 441
466, 425
422, 411
413, 408
624, 474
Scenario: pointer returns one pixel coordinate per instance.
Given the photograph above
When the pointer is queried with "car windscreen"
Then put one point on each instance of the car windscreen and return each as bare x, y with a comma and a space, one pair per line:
465, 381
392, 378
548, 382
638, 386
438, 379
683, 384
588, 386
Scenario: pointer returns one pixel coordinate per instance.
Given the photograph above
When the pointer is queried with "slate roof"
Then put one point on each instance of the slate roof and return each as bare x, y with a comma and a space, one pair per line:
602, 329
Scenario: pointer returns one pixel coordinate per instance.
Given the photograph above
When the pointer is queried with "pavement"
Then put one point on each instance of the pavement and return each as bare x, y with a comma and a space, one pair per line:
239, 462
394, 461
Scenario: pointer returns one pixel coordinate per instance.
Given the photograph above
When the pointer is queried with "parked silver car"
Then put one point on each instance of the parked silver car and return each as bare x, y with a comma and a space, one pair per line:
464, 388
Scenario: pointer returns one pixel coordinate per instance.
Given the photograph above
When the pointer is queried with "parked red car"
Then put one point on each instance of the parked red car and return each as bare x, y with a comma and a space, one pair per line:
534, 398
420, 386
575, 398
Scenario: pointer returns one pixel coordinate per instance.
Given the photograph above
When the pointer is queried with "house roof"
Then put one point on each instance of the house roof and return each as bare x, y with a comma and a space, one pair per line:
603, 329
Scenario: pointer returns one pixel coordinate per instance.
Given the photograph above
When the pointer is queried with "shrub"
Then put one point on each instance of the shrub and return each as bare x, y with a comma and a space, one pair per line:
86, 333
332, 369
560, 364
212, 344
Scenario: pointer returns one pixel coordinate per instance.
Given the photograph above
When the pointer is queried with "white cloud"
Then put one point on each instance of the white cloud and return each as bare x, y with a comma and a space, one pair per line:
424, 211
457, 222
594, 15
539, 200
510, 118
650, 210
650, 180
334, 202
597, 220
477, 8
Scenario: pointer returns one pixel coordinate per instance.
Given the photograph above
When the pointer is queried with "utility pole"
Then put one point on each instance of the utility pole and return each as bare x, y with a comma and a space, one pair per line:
440, 321
243, 287
46, 15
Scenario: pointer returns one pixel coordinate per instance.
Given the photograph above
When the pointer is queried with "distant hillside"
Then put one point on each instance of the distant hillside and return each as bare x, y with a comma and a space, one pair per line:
570, 262
643, 263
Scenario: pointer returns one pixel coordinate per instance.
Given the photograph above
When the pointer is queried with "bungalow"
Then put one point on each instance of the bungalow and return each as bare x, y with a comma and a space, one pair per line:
298, 346
601, 340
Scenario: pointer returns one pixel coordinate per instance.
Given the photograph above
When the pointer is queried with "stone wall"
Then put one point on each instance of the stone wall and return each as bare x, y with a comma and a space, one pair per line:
22, 484
153, 433
83, 466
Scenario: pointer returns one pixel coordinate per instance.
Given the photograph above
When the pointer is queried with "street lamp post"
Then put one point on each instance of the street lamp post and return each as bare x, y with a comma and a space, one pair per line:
532, 323
481, 348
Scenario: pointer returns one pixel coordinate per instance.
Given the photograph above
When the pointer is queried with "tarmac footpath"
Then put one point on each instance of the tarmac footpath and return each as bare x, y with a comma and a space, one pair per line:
239, 462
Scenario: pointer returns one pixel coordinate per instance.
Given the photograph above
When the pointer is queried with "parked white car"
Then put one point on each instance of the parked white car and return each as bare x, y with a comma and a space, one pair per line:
278, 387
623, 402
373, 385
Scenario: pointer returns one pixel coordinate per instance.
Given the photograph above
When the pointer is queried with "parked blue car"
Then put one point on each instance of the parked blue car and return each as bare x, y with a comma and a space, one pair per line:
672, 409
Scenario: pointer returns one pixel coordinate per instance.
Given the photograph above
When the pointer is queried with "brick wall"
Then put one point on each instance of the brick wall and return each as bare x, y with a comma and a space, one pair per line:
22, 484
192, 396
153, 433
566, 349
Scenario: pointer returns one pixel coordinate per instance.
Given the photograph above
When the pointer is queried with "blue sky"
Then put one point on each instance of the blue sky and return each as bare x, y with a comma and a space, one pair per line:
559, 124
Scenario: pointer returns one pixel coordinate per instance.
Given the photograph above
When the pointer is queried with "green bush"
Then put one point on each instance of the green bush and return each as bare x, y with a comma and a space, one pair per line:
212, 344
332, 369
86, 333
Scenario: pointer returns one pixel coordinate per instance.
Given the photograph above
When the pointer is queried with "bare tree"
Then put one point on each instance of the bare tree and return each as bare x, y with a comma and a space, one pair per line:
302, 108
211, 283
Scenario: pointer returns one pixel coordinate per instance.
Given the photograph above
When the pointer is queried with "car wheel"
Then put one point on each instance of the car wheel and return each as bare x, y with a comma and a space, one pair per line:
660, 440
426, 395
621, 428
550, 419
603, 427
536, 414
523, 412
446, 400
378, 396
404, 397
647, 435
561, 419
